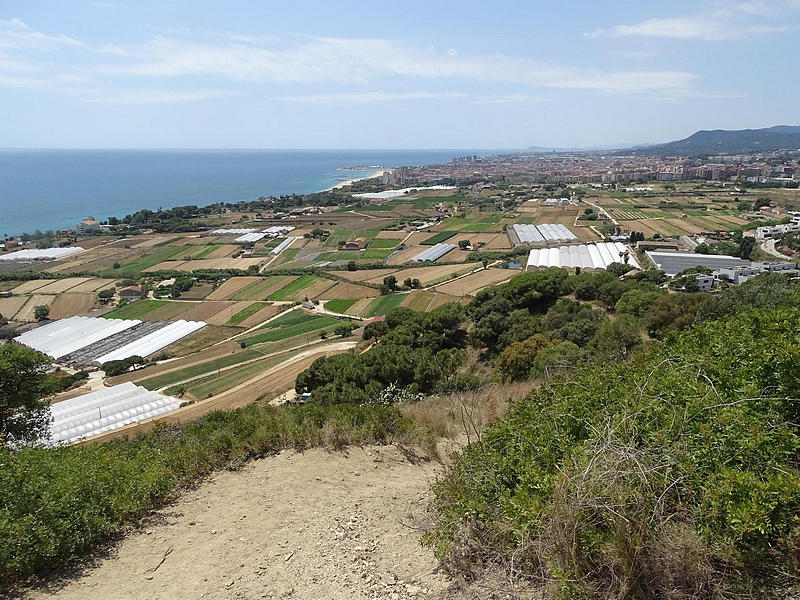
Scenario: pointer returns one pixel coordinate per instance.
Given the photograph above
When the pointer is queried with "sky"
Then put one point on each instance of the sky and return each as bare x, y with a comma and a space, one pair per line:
411, 74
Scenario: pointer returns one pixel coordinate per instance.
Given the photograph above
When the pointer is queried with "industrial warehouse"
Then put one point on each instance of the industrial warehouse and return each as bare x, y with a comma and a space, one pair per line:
587, 257
540, 236
82, 341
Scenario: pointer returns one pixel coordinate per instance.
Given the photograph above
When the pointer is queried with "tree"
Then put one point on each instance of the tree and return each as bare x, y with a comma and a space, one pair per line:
342, 329
407, 282
24, 414
415, 283
390, 282
351, 265
463, 244
375, 330
515, 362
41, 312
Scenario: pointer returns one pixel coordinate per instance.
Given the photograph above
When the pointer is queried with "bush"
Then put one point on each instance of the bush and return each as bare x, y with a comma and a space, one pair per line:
673, 475
56, 504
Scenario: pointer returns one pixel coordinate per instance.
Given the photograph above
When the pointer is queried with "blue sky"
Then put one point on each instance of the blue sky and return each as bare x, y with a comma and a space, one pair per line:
433, 74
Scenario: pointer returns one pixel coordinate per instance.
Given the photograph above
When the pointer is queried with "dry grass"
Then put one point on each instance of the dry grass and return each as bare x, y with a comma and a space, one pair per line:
464, 415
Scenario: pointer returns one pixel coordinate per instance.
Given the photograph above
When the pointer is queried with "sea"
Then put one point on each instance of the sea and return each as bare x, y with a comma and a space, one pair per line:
55, 189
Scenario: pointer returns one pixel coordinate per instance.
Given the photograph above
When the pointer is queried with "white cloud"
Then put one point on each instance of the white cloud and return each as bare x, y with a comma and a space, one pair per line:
145, 96
364, 60
722, 21
16, 34
369, 97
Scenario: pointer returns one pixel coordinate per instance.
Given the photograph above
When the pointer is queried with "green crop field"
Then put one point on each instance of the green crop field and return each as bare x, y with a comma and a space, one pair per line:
275, 333
160, 381
153, 259
475, 224
377, 253
439, 237
340, 255
256, 290
246, 312
134, 310
207, 250
384, 304
339, 306
203, 387
291, 291
383, 243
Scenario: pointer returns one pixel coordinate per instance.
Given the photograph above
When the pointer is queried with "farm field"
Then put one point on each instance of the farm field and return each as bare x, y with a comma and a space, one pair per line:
364, 274
263, 288
200, 311
205, 263
384, 304
281, 329
338, 305
306, 286
59, 286
160, 381
231, 286
31, 286
383, 243
429, 275
425, 301
348, 291
135, 310
438, 238
26, 313
391, 235
69, 305
471, 284
478, 223
376, 253
246, 312
359, 307
11, 306
94, 285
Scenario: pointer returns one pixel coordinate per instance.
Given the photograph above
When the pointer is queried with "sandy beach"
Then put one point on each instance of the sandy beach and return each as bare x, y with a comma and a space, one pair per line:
346, 182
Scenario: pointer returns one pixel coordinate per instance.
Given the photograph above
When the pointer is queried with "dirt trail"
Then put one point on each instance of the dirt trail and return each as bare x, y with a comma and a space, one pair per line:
308, 526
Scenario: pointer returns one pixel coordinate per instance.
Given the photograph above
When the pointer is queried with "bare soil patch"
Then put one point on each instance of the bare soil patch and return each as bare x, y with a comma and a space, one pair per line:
348, 291
26, 313
474, 282
230, 287
69, 305
306, 526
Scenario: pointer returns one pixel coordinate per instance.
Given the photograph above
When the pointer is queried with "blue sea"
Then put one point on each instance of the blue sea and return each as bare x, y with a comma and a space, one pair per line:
54, 189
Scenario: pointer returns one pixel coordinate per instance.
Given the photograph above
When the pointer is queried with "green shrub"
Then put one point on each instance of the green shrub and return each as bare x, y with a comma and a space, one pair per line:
673, 475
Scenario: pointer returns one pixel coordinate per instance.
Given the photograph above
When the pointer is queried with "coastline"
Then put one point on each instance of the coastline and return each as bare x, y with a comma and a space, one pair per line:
346, 182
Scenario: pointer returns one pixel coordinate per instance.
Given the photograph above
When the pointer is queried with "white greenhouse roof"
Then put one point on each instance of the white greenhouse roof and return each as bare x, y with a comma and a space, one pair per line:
153, 342
44, 254
250, 237
279, 248
83, 340
105, 410
585, 256
278, 229
433, 253
232, 231
543, 232
63, 337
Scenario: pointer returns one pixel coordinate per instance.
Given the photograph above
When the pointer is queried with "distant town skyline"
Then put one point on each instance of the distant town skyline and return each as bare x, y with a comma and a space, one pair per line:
505, 75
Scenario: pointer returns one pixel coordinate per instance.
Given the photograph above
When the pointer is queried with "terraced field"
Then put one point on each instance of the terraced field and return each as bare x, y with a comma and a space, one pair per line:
263, 288
298, 289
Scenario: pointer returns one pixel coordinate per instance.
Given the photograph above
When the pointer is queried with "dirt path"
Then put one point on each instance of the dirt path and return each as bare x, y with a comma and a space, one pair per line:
302, 526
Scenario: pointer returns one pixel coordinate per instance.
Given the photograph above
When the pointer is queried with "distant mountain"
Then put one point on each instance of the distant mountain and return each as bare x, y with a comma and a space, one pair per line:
730, 142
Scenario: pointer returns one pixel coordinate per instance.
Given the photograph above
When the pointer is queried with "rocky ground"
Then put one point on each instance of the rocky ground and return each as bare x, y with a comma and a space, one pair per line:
303, 526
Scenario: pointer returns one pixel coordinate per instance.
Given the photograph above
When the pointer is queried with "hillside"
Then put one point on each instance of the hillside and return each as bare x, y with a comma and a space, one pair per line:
706, 142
